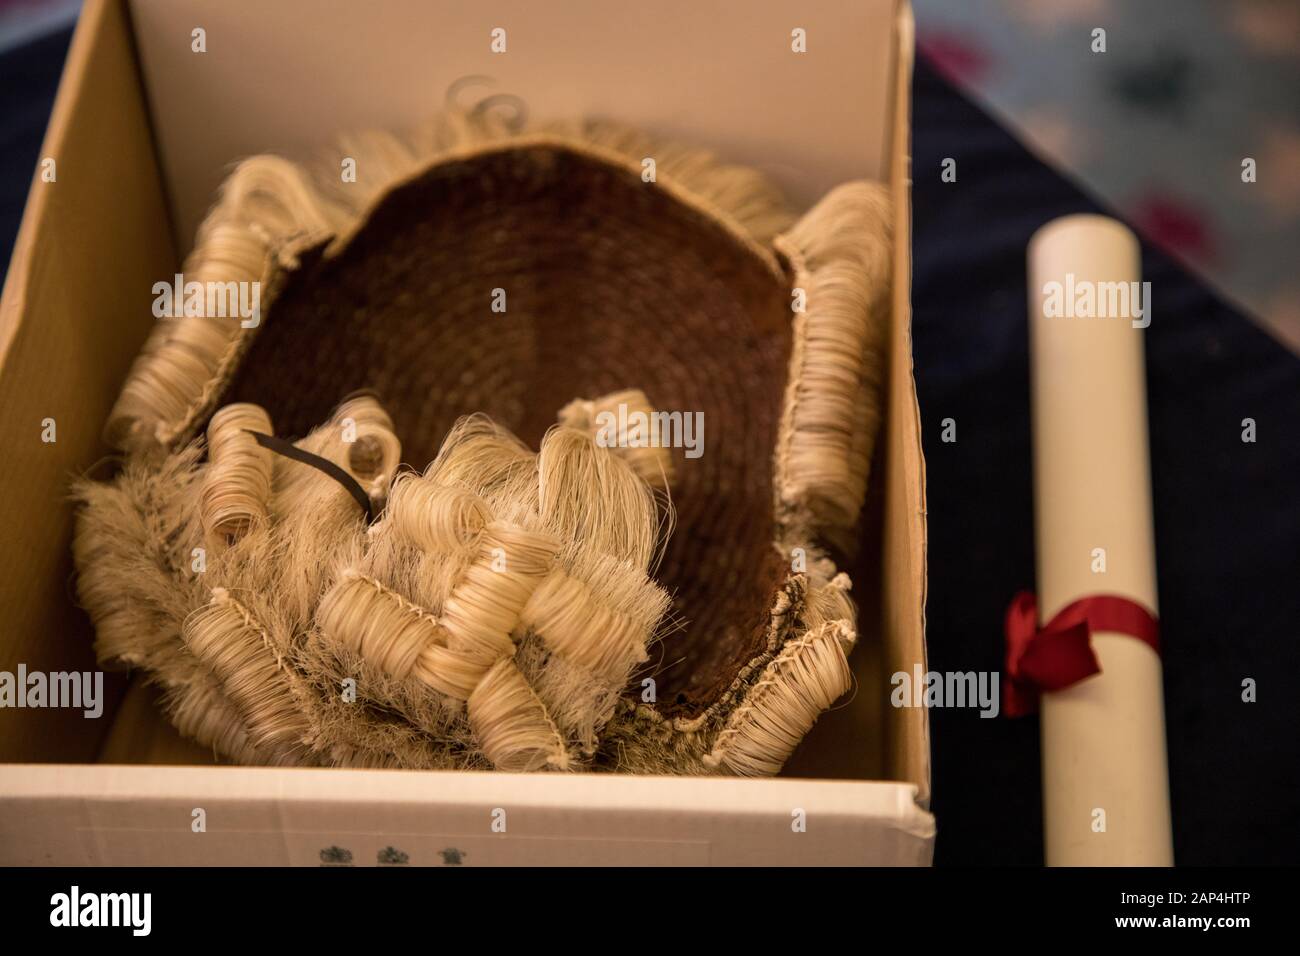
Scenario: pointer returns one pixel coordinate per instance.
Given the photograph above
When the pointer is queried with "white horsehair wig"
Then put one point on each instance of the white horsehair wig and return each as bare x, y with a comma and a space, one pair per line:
502, 606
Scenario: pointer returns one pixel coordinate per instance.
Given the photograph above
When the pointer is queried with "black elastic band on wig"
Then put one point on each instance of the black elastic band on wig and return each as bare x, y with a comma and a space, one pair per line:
290, 450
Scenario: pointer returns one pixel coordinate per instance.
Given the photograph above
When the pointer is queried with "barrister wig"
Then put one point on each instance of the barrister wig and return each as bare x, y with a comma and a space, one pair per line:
527, 463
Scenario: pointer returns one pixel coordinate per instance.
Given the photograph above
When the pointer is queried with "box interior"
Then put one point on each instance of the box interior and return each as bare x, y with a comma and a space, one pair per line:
144, 128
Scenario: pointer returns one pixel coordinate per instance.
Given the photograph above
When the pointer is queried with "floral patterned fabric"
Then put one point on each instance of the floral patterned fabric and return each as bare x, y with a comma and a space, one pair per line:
1158, 125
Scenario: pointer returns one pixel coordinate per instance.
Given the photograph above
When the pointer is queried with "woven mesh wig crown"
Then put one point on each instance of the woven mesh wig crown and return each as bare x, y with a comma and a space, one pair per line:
536, 595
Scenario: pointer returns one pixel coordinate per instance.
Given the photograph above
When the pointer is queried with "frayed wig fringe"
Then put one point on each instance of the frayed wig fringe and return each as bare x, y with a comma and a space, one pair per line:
500, 608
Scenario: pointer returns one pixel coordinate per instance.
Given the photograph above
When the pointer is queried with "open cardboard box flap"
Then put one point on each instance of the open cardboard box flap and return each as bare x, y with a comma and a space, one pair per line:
140, 138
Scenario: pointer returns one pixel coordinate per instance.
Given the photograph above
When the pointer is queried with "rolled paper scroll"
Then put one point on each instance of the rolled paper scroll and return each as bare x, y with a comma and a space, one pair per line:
1105, 774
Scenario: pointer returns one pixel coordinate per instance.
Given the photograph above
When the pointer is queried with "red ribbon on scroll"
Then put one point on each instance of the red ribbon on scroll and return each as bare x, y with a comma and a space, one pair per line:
1060, 653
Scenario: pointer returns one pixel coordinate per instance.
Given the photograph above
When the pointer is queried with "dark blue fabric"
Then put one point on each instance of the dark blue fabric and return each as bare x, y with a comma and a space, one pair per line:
29, 77
1227, 515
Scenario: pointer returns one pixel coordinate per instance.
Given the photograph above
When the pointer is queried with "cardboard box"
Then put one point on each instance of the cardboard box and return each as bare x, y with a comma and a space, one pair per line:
141, 133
